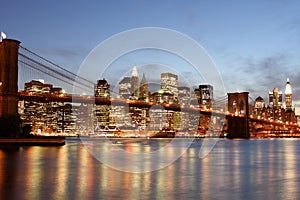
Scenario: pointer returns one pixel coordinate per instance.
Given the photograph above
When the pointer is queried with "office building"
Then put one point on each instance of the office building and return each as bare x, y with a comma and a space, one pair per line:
125, 88
135, 83
102, 112
288, 95
46, 117
169, 83
206, 96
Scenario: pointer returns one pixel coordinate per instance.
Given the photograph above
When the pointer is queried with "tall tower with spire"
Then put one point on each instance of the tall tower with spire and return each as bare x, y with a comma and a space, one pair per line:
288, 95
144, 89
135, 82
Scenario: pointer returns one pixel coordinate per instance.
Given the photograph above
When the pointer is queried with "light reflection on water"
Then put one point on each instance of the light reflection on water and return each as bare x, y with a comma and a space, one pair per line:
235, 169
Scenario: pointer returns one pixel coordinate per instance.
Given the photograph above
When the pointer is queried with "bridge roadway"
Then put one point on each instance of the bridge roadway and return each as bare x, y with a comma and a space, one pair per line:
46, 97
30, 96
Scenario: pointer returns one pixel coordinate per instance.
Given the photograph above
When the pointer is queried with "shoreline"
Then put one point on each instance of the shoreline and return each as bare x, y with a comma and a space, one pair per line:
41, 141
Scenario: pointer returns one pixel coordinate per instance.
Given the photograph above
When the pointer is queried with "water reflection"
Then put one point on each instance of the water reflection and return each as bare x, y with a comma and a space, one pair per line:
235, 169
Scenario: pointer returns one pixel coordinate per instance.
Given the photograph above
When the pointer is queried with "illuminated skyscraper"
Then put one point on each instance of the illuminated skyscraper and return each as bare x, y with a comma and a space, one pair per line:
102, 89
181, 119
288, 95
169, 82
184, 95
206, 96
259, 106
46, 117
275, 98
102, 112
259, 103
125, 87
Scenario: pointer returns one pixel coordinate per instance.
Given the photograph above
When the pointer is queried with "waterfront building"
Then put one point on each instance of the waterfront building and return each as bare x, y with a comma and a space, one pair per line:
85, 119
66, 121
46, 117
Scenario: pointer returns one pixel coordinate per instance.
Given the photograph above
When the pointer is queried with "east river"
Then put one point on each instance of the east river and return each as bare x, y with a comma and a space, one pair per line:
234, 169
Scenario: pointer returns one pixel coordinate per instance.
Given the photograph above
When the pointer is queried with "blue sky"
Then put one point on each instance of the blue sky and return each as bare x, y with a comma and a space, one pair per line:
255, 44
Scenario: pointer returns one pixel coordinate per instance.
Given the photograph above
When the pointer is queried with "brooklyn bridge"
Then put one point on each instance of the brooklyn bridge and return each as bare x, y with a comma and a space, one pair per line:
235, 121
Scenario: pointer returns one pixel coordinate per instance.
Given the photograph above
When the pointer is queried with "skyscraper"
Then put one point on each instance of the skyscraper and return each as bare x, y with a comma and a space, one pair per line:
275, 98
181, 119
206, 96
169, 82
102, 112
144, 90
135, 83
288, 95
259, 106
125, 87
102, 89
50, 116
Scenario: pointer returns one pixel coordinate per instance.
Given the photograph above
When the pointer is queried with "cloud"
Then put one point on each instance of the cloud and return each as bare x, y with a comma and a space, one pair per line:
258, 76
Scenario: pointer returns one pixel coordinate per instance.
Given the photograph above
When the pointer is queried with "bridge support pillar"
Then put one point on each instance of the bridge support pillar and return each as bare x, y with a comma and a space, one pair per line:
9, 77
238, 126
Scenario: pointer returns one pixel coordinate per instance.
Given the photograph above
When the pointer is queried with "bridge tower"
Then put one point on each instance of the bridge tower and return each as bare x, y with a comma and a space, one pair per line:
9, 76
238, 125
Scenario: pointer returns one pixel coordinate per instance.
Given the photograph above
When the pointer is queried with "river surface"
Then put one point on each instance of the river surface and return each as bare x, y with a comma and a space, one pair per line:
234, 169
